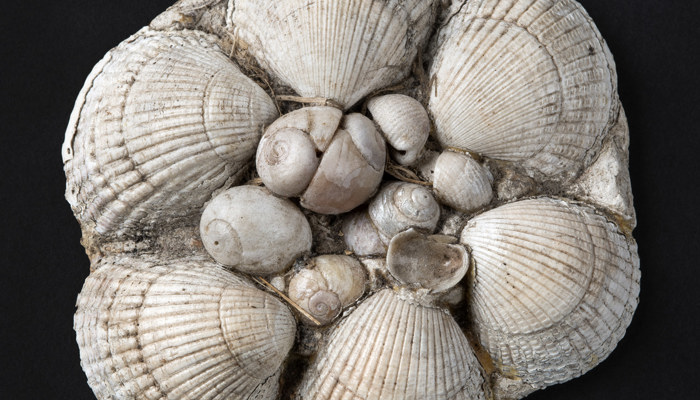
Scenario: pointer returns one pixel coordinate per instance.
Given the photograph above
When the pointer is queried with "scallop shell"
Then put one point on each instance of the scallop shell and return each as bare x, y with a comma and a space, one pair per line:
405, 125
393, 348
461, 182
341, 49
529, 81
164, 120
179, 329
555, 287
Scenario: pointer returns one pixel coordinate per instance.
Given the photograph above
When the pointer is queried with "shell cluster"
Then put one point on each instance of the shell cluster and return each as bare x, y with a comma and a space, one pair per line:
417, 199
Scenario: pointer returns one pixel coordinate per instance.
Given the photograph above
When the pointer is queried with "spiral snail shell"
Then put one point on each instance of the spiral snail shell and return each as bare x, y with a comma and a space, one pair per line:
404, 123
461, 182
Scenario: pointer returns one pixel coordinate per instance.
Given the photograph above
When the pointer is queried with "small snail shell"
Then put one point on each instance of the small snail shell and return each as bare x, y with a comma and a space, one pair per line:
405, 125
429, 262
350, 167
251, 230
326, 285
461, 182
397, 206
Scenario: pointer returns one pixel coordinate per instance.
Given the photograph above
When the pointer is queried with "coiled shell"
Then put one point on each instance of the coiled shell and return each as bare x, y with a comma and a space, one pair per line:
253, 231
404, 123
461, 182
179, 329
392, 348
163, 121
555, 287
340, 49
327, 285
529, 81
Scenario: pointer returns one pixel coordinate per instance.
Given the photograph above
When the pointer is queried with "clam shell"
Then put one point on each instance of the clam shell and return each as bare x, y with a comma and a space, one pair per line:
179, 329
554, 288
393, 348
404, 123
461, 182
163, 121
529, 81
340, 49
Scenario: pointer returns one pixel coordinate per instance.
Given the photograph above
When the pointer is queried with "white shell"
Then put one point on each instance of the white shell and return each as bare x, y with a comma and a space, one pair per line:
162, 122
530, 81
179, 329
327, 285
426, 262
405, 125
392, 348
251, 230
341, 49
461, 182
555, 286
400, 205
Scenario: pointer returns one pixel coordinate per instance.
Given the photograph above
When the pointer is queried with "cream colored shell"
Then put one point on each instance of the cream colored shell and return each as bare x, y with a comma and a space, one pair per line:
404, 123
529, 81
460, 182
555, 286
339, 49
179, 329
393, 348
162, 121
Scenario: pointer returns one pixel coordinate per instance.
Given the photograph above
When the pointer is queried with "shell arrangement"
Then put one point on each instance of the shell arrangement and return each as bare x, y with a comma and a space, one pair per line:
393, 199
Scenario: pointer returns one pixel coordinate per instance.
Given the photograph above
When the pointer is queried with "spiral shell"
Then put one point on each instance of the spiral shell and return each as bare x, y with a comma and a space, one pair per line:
404, 123
340, 49
461, 182
529, 81
392, 348
140, 151
326, 285
251, 230
179, 329
555, 286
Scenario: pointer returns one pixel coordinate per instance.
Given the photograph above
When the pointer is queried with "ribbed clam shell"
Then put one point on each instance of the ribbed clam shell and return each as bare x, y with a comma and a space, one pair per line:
530, 81
404, 123
401, 205
338, 49
554, 289
179, 330
392, 348
461, 182
164, 120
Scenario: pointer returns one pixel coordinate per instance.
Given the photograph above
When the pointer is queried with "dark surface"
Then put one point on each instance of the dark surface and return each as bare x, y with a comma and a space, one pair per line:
48, 48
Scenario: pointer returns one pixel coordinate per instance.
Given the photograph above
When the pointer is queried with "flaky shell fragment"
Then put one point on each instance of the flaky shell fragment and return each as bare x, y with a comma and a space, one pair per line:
163, 121
340, 49
529, 81
555, 286
253, 231
179, 329
393, 348
404, 123
461, 182
326, 285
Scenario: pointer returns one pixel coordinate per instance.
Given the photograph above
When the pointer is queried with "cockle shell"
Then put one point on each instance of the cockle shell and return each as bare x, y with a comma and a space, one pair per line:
162, 122
326, 285
404, 123
393, 348
461, 182
253, 231
179, 329
340, 49
529, 81
555, 286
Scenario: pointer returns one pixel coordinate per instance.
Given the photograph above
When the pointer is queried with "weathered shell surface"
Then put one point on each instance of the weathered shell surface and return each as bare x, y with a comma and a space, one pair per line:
461, 182
530, 81
253, 231
555, 287
392, 348
341, 49
400, 205
162, 122
405, 125
180, 329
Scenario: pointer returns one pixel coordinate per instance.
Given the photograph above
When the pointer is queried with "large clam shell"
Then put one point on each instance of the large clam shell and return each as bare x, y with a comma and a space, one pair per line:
554, 288
393, 348
529, 81
164, 120
340, 49
179, 329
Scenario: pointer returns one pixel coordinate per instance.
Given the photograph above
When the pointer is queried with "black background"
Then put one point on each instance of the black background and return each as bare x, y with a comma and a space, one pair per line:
49, 47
